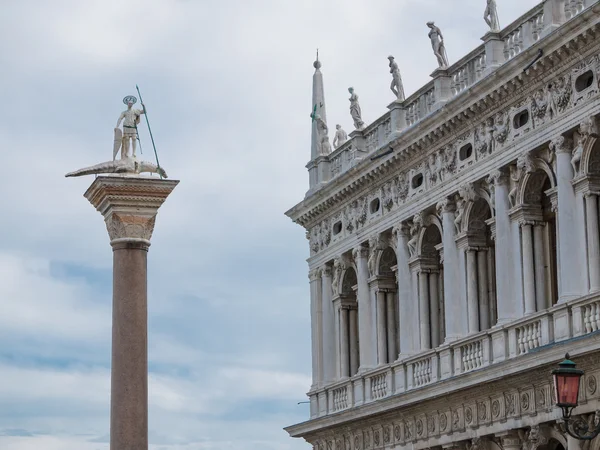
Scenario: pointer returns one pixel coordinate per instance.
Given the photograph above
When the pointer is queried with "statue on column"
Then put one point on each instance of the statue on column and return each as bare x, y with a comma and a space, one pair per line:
355, 111
127, 164
491, 16
437, 43
340, 137
396, 86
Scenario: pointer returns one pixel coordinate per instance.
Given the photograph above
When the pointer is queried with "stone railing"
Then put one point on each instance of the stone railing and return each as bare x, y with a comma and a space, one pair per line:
574, 319
468, 72
573, 7
524, 32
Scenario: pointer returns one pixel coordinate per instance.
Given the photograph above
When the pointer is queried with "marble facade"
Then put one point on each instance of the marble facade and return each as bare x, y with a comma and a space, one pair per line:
455, 249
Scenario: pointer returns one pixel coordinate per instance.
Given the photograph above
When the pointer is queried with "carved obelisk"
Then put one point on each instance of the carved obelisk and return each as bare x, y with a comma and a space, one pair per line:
129, 205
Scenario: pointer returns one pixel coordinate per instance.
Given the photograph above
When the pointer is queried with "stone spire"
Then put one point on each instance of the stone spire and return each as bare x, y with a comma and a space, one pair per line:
317, 107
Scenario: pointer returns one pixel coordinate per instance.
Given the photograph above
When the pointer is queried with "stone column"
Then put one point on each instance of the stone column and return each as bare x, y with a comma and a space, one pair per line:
506, 282
569, 238
434, 309
391, 326
482, 284
593, 241
541, 296
129, 206
354, 357
381, 328
367, 349
344, 342
472, 293
425, 331
316, 324
328, 327
528, 268
455, 302
407, 312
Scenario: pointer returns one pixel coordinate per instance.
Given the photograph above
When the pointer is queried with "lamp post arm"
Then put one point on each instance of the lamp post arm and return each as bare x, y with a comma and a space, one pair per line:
582, 428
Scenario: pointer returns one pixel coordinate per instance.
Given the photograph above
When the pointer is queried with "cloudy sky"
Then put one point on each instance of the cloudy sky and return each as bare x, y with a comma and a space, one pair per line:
228, 89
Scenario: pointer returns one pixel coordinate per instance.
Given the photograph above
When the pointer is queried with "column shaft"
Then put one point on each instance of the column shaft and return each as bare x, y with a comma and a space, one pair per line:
472, 293
316, 323
407, 312
425, 332
528, 268
344, 344
434, 309
354, 356
129, 371
593, 241
541, 296
329, 352
381, 328
391, 327
367, 347
483, 285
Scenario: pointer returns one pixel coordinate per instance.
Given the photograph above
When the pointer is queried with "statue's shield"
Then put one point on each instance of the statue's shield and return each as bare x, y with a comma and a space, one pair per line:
117, 142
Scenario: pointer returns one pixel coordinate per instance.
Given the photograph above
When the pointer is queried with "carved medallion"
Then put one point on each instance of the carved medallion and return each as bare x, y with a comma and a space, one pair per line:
525, 401
482, 411
592, 384
443, 422
419, 427
397, 435
495, 408
468, 415
386, 435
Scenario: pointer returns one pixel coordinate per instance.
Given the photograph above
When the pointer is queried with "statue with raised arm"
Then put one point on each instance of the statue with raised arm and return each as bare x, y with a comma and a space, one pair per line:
127, 164
437, 43
130, 119
491, 16
396, 86
340, 137
355, 111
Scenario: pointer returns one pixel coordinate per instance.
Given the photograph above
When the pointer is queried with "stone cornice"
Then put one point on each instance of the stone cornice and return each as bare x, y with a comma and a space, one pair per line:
499, 88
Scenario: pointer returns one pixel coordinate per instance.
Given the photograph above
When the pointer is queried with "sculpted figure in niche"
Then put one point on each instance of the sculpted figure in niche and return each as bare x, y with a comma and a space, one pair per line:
414, 233
340, 137
355, 111
437, 43
577, 152
396, 86
373, 251
501, 128
460, 206
491, 16
550, 101
338, 267
515, 176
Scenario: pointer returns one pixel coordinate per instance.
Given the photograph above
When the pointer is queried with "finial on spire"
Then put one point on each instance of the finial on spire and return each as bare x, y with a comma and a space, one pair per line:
317, 63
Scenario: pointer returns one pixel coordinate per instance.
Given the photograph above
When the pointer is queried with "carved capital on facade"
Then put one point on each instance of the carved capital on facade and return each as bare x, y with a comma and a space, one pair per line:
401, 230
498, 177
589, 127
445, 206
525, 164
314, 274
129, 205
561, 144
327, 271
360, 252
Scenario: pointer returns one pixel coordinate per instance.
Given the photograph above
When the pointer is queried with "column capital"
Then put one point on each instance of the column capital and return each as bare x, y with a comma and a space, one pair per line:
326, 271
129, 205
561, 144
314, 274
445, 206
360, 252
498, 177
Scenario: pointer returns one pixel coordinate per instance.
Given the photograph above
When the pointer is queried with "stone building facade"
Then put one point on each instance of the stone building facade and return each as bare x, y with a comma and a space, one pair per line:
455, 249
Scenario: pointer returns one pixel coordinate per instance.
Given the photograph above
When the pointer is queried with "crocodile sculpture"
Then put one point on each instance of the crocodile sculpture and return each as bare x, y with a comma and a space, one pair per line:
120, 166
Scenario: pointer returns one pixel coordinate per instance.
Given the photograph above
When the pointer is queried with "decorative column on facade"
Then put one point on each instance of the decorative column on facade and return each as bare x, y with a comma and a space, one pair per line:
392, 337
367, 349
455, 302
129, 206
316, 316
329, 352
528, 267
593, 240
407, 314
505, 280
483, 294
569, 225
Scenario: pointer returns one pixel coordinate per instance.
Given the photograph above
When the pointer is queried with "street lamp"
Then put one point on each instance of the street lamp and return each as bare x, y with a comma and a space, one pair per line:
566, 387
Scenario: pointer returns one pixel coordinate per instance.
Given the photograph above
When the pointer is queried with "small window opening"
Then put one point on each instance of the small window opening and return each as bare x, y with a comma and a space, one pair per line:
417, 181
584, 81
465, 152
337, 228
521, 119
375, 204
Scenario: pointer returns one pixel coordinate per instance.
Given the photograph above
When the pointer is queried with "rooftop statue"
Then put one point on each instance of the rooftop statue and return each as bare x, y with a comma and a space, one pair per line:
127, 164
355, 111
396, 86
340, 136
437, 43
491, 16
